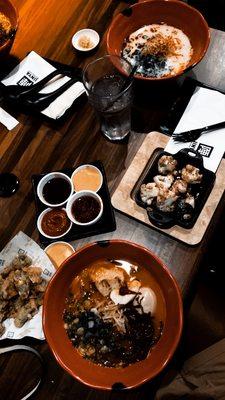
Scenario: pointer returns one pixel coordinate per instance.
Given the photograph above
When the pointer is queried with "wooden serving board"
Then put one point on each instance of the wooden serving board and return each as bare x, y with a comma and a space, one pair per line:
123, 201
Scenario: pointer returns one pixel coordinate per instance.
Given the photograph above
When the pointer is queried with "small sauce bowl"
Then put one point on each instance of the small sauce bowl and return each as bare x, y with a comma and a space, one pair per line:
82, 168
58, 252
87, 35
47, 178
39, 223
78, 195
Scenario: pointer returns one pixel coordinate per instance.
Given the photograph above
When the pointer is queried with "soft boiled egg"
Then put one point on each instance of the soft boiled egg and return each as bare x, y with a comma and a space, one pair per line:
117, 298
147, 299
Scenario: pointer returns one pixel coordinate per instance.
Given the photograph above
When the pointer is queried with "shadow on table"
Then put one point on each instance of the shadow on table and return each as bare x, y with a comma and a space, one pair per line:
7, 64
153, 101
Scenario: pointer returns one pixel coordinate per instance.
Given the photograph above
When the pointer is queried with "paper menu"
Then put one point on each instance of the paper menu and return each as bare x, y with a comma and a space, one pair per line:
23, 243
206, 107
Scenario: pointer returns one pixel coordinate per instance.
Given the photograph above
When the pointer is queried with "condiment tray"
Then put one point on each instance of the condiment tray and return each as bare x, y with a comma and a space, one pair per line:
106, 223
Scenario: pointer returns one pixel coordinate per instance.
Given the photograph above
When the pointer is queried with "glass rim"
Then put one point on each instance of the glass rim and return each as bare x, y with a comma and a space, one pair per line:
100, 58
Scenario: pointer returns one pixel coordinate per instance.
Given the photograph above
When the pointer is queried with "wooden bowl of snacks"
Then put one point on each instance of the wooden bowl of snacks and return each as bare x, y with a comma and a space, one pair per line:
162, 38
112, 315
8, 25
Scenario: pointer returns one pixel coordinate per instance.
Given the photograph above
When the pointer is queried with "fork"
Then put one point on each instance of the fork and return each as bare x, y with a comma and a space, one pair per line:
194, 134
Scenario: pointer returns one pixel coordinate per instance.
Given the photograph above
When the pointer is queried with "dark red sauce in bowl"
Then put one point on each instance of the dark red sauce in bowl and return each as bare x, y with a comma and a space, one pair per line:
85, 209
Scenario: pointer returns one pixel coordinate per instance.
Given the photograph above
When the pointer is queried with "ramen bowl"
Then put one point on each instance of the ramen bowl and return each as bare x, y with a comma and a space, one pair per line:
68, 357
7, 8
174, 13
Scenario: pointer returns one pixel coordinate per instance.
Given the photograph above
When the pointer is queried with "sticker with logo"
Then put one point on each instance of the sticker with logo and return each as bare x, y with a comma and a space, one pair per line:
28, 79
204, 150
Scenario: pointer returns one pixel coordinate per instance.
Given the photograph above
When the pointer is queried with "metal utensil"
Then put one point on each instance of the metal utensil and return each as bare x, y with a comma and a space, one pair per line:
194, 134
42, 100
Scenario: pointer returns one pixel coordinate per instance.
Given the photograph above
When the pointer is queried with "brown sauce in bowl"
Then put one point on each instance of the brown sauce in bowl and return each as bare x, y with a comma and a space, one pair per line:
55, 222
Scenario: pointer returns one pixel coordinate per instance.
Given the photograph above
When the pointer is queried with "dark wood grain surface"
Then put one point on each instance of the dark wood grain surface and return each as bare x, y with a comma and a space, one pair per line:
46, 26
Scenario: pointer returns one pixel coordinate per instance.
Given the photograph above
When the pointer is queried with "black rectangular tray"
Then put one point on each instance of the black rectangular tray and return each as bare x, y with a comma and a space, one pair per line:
107, 222
166, 220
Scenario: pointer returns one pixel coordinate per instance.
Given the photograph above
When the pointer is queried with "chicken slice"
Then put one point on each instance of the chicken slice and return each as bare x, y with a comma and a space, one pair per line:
107, 279
34, 274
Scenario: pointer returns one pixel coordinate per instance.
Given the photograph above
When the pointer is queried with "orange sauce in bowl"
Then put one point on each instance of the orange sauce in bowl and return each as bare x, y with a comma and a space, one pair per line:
58, 252
87, 178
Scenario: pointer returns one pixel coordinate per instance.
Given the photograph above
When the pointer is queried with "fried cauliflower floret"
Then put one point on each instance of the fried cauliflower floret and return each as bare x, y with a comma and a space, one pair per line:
179, 186
166, 164
191, 174
166, 200
163, 181
148, 192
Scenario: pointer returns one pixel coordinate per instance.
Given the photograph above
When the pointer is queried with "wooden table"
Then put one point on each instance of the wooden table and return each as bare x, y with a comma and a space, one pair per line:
34, 146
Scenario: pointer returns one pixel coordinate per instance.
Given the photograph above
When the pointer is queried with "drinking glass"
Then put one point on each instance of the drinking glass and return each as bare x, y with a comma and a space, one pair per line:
105, 82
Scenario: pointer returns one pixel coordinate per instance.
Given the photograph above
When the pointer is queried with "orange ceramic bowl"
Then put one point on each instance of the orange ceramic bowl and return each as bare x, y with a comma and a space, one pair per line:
67, 356
7, 8
172, 12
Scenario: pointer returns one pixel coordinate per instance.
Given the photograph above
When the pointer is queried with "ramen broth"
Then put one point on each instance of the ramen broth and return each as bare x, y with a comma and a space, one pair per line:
107, 314
158, 50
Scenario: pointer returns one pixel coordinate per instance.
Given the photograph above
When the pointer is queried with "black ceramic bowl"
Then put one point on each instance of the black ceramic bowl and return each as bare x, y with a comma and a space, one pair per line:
166, 220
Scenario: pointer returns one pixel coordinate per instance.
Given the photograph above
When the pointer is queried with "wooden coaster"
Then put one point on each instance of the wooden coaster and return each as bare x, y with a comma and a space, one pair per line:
123, 202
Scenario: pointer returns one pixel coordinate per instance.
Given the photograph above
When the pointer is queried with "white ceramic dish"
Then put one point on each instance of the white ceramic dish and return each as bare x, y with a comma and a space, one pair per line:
47, 178
58, 252
90, 34
82, 167
78, 195
40, 228
59, 242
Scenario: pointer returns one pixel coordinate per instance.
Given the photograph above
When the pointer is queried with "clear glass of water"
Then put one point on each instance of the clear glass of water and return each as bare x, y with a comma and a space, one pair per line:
110, 94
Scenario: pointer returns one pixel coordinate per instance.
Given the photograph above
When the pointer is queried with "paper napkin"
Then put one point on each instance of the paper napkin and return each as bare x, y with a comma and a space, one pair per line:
206, 107
33, 69
7, 120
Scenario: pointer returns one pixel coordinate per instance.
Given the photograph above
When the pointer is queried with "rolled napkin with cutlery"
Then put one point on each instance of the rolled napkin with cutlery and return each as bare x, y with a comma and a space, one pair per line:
52, 98
206, 107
